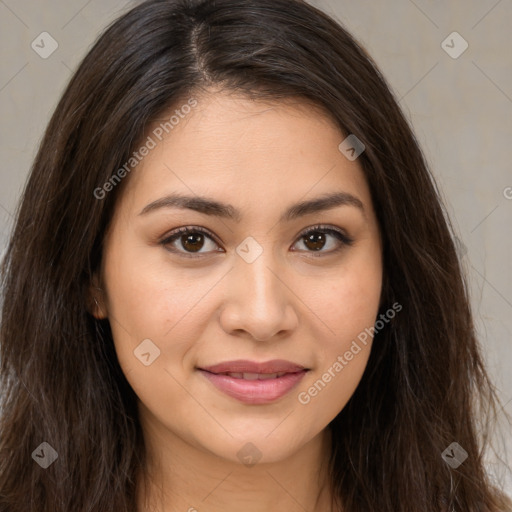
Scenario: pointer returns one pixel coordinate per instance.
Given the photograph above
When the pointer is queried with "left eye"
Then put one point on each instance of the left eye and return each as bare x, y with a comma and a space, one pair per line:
315, 239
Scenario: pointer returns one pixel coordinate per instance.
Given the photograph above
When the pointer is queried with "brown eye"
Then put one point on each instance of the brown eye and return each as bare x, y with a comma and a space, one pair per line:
317, 238
192, 242
189, 242
315, 241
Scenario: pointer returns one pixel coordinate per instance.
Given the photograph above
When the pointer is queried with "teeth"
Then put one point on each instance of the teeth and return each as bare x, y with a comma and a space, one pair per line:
265, 376
254, 376
235, 375
250, 376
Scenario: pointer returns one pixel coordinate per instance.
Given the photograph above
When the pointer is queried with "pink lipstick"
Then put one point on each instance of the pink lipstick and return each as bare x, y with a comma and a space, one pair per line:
255, 383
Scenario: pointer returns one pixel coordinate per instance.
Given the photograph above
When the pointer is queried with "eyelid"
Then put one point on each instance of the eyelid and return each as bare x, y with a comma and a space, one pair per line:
340, 234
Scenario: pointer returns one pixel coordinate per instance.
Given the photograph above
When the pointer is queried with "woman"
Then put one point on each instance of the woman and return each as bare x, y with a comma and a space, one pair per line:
232, 285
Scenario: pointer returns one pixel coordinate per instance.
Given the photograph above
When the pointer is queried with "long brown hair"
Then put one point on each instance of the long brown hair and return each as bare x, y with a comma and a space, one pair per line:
425, 385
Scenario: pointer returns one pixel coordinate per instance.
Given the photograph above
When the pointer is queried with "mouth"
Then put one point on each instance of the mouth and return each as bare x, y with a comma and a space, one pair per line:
255, 383
252, 376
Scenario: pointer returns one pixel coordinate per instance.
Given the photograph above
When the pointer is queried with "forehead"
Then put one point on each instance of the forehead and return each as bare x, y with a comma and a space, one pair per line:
246, 152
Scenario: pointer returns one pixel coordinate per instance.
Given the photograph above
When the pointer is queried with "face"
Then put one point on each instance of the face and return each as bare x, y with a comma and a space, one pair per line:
267, 280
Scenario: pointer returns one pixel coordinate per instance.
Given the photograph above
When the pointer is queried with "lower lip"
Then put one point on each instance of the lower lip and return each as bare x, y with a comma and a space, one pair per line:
255, 391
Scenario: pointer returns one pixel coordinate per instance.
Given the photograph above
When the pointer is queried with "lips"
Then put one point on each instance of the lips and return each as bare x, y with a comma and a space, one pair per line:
253, 376
244, 366
255, 383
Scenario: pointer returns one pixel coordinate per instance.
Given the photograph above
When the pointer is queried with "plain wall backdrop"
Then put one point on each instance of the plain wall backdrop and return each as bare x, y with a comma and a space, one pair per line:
455, 88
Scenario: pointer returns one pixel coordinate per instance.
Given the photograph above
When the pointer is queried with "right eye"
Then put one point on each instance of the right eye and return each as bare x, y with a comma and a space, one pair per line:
191, 239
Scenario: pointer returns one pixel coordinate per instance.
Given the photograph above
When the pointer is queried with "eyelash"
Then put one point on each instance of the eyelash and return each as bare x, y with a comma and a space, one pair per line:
342, 237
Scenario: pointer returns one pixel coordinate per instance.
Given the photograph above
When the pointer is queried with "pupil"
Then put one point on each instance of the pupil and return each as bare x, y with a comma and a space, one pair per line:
195, 240
317, 239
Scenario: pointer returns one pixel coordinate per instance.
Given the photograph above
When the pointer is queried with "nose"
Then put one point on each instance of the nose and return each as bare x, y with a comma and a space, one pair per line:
258, 300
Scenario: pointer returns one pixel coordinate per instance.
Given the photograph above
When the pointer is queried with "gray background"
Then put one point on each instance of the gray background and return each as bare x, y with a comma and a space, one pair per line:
461, 110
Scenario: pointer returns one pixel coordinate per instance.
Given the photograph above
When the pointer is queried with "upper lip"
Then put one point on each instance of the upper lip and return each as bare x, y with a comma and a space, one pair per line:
245, 366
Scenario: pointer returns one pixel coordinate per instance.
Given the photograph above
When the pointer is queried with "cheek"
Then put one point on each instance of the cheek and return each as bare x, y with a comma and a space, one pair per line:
348, 303
349, 307
153, 328
327, 392
146, 294
146, 304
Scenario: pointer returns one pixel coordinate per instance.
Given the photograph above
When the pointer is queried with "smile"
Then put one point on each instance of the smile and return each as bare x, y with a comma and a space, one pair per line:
255, 388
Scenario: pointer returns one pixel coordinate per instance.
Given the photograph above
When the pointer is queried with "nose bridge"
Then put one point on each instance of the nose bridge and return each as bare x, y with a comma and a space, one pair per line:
258, 278
257, 300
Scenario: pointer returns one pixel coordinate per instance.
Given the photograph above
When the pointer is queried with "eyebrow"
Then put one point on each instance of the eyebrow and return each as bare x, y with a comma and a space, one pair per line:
209, 206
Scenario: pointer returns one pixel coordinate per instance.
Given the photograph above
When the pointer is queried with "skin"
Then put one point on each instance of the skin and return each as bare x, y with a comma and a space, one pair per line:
287, 304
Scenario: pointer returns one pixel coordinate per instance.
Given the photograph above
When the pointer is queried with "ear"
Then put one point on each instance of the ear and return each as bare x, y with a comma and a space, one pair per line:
95, 299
